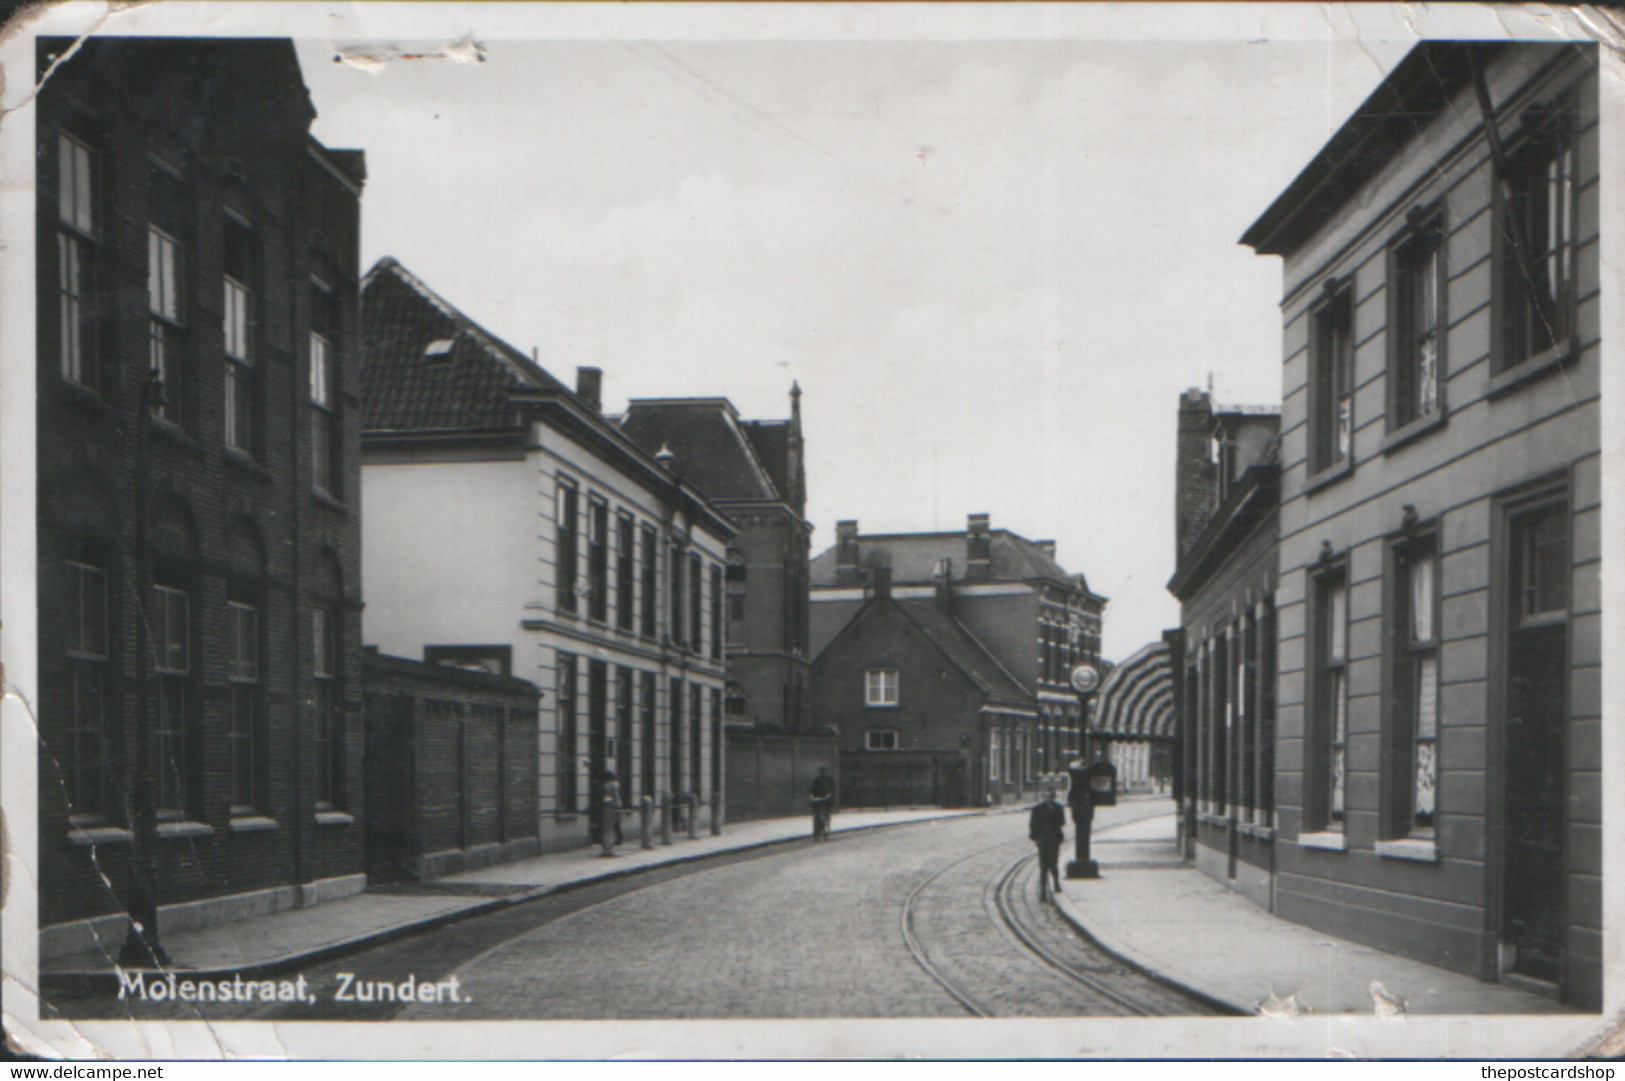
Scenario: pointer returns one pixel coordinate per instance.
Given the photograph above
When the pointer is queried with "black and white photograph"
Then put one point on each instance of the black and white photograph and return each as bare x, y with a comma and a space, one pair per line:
759, 530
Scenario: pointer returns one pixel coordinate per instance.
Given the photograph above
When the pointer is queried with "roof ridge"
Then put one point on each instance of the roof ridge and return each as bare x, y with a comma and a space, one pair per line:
499, 350
907, 610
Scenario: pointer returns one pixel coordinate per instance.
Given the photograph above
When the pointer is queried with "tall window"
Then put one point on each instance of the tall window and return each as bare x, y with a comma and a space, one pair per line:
651, 583
597, 560
75, 248
566, 514
171, 622
1416, 691
243, 674
696, 611
325, 322
716, 612
238, 323
1331, 381
880, 687
993, 754
624, 540
1417, 322
674, 777
646, 721
737, 578
696, 729
165, 301
623, 734
674, 587
1331, 687
1536, 241
565, 703
326, 701
88, 658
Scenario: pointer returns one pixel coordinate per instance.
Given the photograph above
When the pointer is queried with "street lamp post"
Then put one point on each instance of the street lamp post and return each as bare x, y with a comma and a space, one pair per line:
1085, 679
141, 946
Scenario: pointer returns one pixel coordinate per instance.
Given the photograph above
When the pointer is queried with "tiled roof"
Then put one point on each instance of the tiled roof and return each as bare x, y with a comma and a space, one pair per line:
426, 365
771, 438
710, 450
913, 558
966, 652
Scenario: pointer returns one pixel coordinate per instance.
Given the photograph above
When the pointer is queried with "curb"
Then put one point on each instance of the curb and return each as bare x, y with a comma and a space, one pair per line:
95, 983
1145, 965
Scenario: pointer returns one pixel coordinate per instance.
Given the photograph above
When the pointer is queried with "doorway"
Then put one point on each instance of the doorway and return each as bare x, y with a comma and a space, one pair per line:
1536, 666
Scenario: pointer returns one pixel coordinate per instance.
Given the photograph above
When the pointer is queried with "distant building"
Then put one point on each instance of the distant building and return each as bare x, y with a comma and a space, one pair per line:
926, 715
509, 523
1037, 620
754, 472
1439, 751
1227, 485
199, 540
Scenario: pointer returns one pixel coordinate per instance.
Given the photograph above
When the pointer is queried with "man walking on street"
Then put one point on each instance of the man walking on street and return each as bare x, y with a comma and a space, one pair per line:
1046, 828
823, 802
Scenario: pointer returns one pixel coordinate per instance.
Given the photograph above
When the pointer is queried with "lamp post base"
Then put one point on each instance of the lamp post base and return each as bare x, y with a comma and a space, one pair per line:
1083, 869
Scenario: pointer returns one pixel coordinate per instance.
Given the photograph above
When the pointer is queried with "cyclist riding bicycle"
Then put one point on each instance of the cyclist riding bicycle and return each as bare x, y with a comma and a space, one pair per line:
823, 802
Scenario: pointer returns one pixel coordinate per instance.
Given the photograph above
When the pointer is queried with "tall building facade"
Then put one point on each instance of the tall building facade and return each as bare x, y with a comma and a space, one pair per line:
1227, 483
1439, 737
198, 474
754, 472
510, 525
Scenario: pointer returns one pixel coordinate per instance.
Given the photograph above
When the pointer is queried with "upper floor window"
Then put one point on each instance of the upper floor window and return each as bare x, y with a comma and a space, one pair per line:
597, 560
567, 510
76, 251
716, 611
325, 320
880, 687
696, 611
165, 299
1331, 381
1537, 240
651, 583
674, 587
625, 539
1416, 323
238, 309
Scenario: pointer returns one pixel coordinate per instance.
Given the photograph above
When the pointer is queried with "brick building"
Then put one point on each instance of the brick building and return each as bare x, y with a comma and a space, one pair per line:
1035, 618
1227, 484
509, 523
925, 714
1439, 756
198, 538
451, 767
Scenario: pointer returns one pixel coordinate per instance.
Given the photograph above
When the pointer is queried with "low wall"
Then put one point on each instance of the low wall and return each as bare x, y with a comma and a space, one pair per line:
770, 773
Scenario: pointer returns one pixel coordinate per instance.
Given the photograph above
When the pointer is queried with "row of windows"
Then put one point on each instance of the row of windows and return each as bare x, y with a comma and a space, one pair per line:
81, 300
1538, 599
96, 730
635, 554
1010, 755
1230, 695
1063, 645
1536, 222
612, 737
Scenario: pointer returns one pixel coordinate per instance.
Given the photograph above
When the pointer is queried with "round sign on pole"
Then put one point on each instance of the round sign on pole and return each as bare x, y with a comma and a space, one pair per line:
1085, 678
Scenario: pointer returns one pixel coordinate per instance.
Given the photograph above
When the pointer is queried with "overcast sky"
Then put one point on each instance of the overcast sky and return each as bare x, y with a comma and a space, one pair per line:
992, 265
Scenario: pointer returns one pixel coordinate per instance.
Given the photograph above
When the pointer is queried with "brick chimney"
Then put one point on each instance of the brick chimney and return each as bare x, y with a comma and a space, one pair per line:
1194, 479
590, 388
846, 554
978, 547
1045, 546
880, 583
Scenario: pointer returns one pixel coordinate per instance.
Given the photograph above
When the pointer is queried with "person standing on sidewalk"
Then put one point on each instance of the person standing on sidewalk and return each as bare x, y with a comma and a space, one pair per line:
1046, 827
823, 802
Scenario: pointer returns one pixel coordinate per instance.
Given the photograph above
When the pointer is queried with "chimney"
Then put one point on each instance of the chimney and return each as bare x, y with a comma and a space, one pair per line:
943, 577
846, 554
1045, 546
880, 581
797, 478
978, 547
590, 388
1194, 479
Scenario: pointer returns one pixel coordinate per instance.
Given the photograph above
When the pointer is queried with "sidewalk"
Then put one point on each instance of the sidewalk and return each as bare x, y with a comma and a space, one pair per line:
286, 941
1165, 917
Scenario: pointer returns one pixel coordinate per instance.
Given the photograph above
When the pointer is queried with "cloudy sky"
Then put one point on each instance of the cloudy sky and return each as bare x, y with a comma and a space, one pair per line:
993, 245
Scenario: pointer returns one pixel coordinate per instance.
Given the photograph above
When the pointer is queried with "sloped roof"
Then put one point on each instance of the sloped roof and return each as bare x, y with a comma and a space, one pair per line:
966, 653
710, 447
426, 365
771, 439
1137, 699
913, 558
